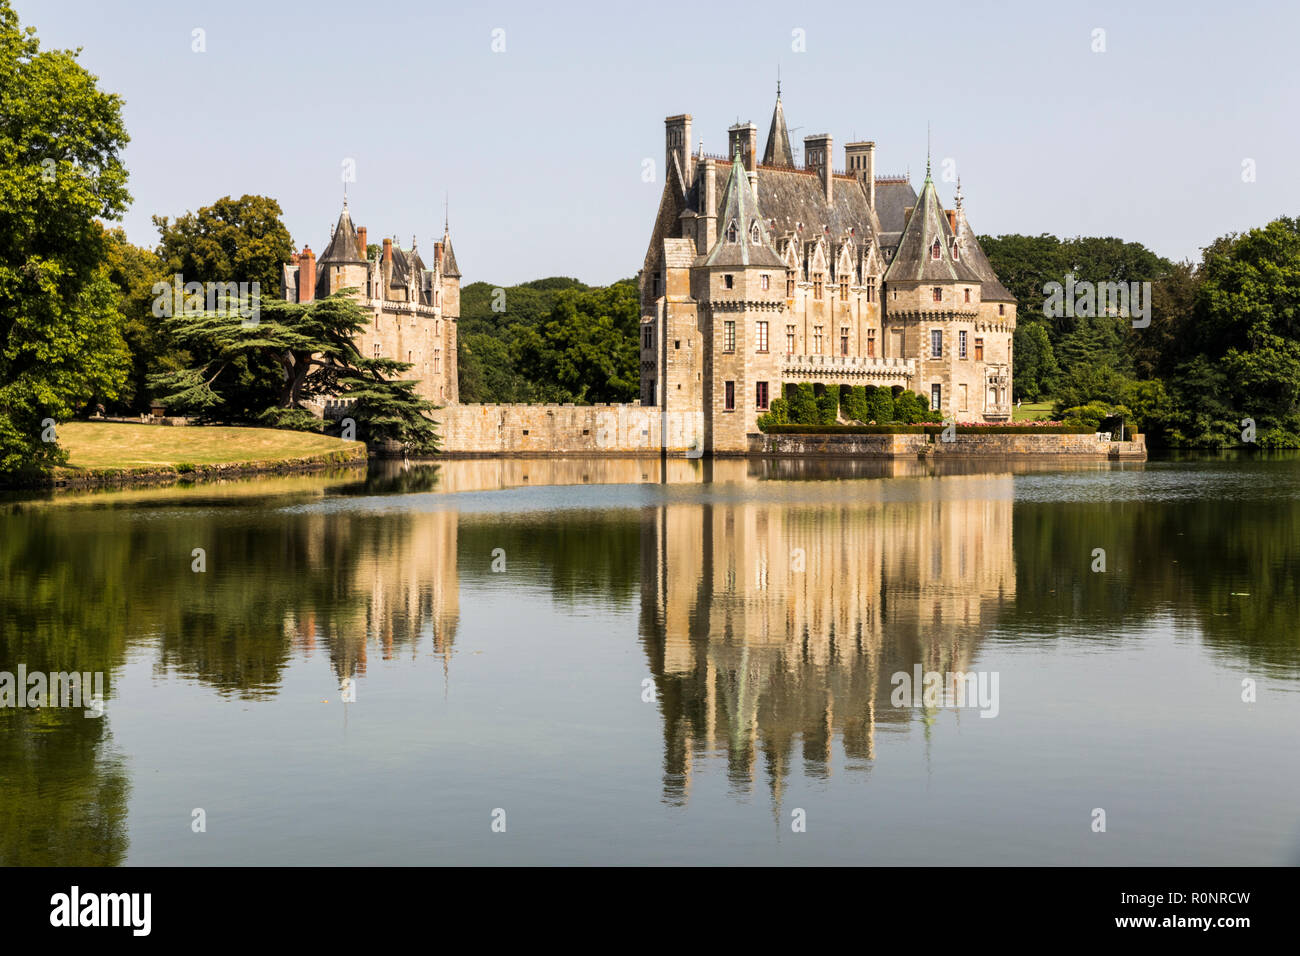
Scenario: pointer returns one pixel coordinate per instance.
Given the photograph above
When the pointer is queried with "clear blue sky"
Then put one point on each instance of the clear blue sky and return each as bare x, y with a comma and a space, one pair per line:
541, 146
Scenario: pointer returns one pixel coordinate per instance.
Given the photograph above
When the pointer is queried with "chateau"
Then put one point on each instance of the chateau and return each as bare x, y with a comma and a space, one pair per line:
413, 308
761, 273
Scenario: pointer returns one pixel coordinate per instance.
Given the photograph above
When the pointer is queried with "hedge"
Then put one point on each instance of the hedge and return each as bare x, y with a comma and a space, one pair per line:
927, 430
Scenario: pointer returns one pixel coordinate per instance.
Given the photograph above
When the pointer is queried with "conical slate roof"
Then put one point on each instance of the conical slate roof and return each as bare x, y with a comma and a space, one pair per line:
344, 246
778, 152
991, 287
915, 261
743, 239
448, 257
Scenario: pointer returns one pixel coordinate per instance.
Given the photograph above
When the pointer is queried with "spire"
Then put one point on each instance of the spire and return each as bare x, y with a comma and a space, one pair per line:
343, 241
925, 247
742, 234
778, 152
927, 150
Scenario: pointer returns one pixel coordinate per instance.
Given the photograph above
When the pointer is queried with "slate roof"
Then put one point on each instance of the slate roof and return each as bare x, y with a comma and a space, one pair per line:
892, 202
789, 197
449, 267
739, 208
344, 245
914, 261
778, 152
991, 287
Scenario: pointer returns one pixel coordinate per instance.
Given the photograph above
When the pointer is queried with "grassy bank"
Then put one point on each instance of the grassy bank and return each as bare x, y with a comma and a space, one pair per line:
113, 452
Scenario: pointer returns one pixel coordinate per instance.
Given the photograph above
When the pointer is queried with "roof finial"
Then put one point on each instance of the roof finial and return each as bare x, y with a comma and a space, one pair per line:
958, 192
927, 149
446, 213
778, 79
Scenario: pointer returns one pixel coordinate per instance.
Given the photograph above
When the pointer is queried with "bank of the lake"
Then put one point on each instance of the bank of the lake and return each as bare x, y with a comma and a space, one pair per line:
117, 453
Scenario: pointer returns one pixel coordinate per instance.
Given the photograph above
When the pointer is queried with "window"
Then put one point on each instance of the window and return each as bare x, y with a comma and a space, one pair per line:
729, 336
962, 400
789, 285
377, 350
844, 288
764, 282
761, 396
961, 344
1001, 309
437, 360
871, 343
936, 250
762, 336
936, 393
656, 285
755, 234
729, 281
650, 393
789, 340
729, 396
979, 350
408, 355
817, 340
817, 285
731, 231
967, 295
871, 288
936, 343
844, 341
956, 251
677, 343
647, 336
938, 293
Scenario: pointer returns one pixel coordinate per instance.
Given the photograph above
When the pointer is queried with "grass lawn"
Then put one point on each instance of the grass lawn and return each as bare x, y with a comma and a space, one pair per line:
1032, 413
120, 445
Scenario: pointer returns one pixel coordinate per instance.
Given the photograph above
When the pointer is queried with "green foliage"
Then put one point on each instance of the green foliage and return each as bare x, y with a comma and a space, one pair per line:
296, 353
854, 402
1035, 372
880, 405
233, 240
908, 408
60, 342
802, 399
778, 413
828, 406
587, 350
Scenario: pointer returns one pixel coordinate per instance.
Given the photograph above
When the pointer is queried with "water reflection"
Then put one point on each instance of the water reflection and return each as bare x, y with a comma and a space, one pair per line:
773, 600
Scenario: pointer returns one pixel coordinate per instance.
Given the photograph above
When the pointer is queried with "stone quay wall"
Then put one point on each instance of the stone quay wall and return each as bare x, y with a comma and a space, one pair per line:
555, 430
962, 446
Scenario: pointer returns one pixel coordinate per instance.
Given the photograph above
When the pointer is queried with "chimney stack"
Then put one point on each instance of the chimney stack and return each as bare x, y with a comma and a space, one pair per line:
860, 162
388, 251
361, 241
708, 221
952, 220
743, 138
306, 275
817, 155
677, 139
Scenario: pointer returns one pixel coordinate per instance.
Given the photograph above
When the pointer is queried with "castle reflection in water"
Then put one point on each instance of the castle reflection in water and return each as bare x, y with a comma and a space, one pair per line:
771, 613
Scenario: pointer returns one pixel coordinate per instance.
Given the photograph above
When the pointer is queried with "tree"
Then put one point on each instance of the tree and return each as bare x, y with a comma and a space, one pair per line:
309, 351
133, 272
233, 240
1035, 361
588, 349
60, 345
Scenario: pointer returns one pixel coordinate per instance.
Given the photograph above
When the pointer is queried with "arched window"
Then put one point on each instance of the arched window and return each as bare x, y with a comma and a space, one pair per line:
731, 231
936, 250
755, 234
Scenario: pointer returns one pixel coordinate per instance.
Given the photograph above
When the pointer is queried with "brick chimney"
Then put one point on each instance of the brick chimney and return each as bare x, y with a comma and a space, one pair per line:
743, 138
860, 162
361, 241
952, 220
817, 155
437, 254
388, 252
306, 275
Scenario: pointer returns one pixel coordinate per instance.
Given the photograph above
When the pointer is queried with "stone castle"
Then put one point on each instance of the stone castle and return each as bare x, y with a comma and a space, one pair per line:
413, 308
761, 273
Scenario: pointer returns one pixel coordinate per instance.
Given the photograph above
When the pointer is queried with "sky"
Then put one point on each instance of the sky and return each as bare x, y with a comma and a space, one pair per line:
534, 121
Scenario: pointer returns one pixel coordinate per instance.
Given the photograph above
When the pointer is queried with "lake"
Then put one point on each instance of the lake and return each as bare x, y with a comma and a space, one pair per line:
648, 662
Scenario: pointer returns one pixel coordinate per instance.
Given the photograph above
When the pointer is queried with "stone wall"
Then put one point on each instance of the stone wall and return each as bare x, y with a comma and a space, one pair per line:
962, 446
553, 430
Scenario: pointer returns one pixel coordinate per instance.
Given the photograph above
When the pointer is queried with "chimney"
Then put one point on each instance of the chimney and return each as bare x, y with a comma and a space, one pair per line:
860, 162
743, 138
677, 139
306, 275
817, 155
952, 220
361, 241
437, 254
388, 251
708, 220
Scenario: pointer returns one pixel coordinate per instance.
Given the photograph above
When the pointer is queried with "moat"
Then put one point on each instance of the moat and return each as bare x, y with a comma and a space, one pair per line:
644, 661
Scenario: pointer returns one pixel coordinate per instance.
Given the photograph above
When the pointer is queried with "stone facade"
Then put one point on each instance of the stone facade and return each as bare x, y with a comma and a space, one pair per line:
413, 308
535, 430
961, 446
760, 274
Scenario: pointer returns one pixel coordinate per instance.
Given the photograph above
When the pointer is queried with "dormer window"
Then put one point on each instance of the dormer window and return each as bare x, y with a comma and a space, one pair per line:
956, 251
936, 250
755, 234
731, 231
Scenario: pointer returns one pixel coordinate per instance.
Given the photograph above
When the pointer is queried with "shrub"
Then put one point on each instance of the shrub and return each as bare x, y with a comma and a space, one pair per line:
828, 407
802, 401
880, 406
